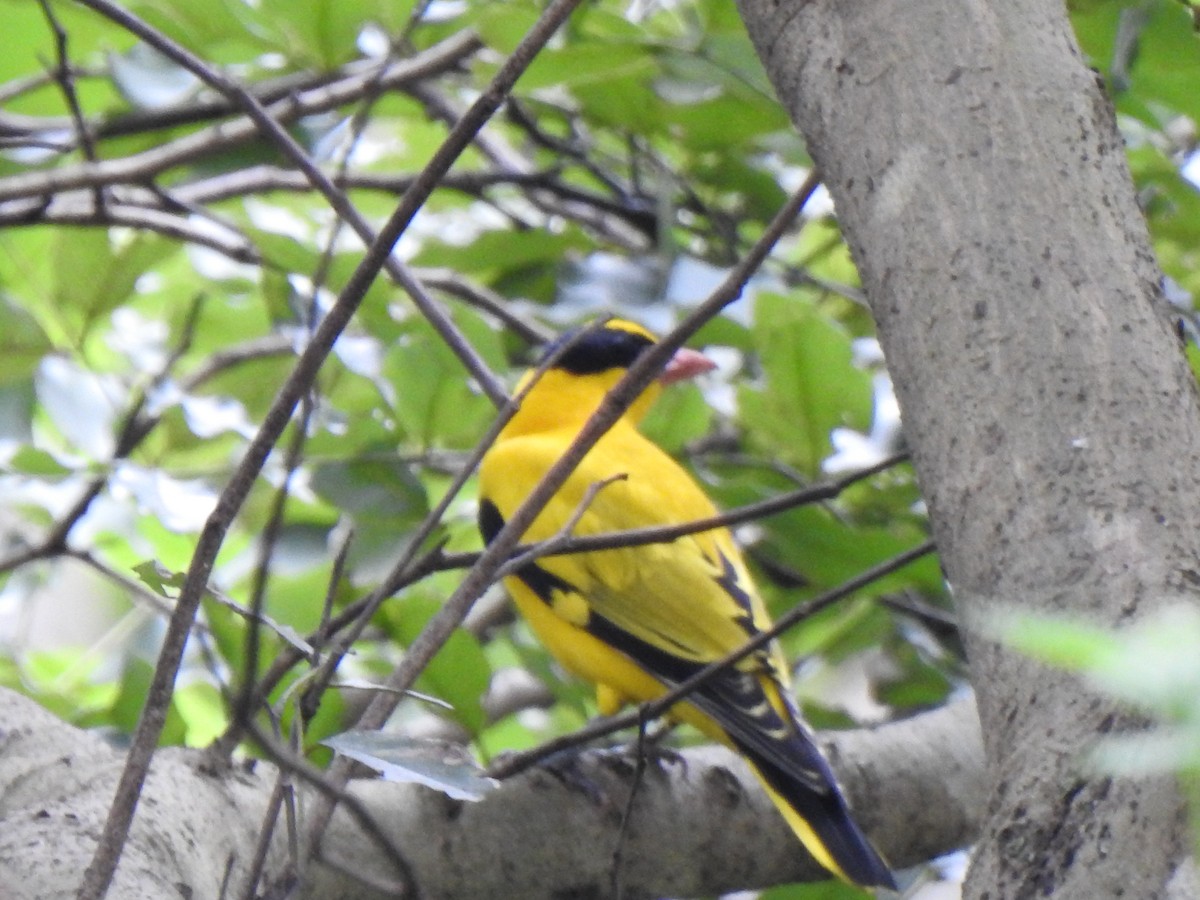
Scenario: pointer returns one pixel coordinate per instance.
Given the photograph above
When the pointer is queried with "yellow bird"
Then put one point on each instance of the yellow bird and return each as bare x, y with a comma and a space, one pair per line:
637, 620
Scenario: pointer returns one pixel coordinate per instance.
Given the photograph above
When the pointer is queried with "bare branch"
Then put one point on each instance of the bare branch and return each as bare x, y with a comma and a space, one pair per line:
78, 208
66, 79
194, 111
141, 167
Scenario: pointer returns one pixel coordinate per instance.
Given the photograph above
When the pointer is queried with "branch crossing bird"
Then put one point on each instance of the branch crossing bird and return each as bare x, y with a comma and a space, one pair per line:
637, 620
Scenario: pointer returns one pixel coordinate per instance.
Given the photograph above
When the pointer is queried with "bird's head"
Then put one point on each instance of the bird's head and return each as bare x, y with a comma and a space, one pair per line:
586, 364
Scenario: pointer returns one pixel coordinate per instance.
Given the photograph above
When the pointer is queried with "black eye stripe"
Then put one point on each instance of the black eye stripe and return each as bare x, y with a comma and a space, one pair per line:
599, 351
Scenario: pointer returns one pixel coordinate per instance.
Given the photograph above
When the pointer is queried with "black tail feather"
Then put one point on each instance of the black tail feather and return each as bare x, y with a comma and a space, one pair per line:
829, 817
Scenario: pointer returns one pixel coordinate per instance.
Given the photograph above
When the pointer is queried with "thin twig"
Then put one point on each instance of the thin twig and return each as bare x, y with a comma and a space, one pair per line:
78, 212
484, 299
639, 773
566, 532
311, 697
297, 765
269, 179
194, 110
66, 80
266, 830
128, 585
354, 872
293, 456
262, 570
140, 167
627, 229
565, 544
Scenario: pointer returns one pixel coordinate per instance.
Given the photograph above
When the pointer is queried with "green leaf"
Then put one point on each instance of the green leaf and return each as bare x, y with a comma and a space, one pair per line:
830, 889
679, 416
29, 45
127, 708
23, 343
66, 681
29, 460
228, 632
921, 685
1171, 203
588, 64
811, 384
502, 25
93, 275
496, 252
626, 104
316, 32
384, 498
202, 712
218, 30
434, 403
1065, 644
707, 125
159, 579
371, 488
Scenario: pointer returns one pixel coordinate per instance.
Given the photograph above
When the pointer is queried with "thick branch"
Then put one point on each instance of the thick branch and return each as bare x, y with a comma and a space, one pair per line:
698, 828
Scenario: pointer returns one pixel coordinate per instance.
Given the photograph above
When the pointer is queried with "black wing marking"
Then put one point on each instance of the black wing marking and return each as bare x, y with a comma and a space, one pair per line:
736, 701
728, 580
537, 579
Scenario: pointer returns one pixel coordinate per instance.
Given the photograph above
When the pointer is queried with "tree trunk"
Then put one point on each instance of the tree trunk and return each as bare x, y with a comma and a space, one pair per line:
981, 182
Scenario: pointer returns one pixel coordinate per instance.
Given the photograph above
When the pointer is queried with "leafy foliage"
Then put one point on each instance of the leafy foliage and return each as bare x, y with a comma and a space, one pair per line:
152, 305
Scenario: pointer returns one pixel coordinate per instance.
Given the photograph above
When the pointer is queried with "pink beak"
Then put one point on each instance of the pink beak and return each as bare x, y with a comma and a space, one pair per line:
686, 363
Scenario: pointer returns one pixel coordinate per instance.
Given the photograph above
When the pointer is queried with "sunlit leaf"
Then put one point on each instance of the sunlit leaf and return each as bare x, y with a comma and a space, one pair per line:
29, 460
159, 579
202, 711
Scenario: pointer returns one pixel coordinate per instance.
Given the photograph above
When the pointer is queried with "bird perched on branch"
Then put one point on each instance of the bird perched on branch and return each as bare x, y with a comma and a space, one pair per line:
638, 620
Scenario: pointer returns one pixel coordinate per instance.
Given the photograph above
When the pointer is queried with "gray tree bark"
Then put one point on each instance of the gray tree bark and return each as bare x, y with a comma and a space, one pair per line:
980, 179
697, 828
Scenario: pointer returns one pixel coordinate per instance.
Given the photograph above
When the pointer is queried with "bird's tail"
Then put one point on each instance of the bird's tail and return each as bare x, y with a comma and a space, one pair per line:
821, 819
